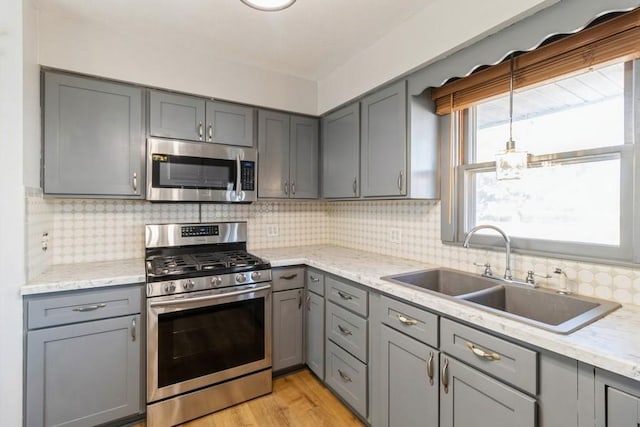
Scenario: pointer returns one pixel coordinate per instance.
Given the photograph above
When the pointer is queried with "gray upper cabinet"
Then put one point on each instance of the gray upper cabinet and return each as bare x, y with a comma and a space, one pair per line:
469, 398
384, 142
93, 137
288, 153
179, 116
229, 124
341, 153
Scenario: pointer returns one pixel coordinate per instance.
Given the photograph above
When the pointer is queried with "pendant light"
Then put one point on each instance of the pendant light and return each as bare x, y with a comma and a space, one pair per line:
510, 164
268, 5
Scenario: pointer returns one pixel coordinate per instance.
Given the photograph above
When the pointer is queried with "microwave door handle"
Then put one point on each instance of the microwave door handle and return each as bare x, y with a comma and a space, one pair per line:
238, 176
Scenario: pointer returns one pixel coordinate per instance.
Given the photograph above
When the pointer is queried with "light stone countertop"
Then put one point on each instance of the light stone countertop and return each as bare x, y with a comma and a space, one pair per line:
611, 343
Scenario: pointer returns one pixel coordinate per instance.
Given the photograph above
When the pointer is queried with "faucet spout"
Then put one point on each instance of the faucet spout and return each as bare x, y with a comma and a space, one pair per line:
507, 244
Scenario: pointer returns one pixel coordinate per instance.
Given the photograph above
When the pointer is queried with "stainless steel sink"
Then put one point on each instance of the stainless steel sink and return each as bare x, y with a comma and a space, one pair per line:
443, 281
543, 308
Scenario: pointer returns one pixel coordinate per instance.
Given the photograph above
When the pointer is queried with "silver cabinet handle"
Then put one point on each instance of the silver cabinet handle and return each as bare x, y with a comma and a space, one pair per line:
299, 299
344, 331
286, 188
210, 131
344, 296
400, 182
135, 181
445, 375
89, 307
488, 355
314, 279
200, 130
407, 321
309, 303
293, 188
346, 378
289, 276
355, 186
430, 367
133, 330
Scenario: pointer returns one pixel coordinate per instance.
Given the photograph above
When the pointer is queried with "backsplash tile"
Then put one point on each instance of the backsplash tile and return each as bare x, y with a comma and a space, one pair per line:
84, 230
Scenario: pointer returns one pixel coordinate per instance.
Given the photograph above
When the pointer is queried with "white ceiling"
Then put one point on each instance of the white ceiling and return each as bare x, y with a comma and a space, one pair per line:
308, 40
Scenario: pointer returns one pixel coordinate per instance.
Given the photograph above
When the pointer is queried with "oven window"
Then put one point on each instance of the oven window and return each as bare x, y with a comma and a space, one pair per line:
198, 342
193, 172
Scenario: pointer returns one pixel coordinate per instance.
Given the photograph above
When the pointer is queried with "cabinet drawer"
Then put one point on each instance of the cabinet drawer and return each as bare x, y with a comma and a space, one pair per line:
410, 320
506, 361
315, 281
347, 330
288, 278
347, 296
73, 307
347, 376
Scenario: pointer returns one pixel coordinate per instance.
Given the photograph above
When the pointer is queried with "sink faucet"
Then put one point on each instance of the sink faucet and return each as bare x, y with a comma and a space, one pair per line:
507, 244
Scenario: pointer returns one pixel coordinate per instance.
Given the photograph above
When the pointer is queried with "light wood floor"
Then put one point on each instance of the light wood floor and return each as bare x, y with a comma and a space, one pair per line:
298, 399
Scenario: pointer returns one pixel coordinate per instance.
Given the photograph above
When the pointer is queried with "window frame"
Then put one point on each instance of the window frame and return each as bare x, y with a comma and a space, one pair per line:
458, 153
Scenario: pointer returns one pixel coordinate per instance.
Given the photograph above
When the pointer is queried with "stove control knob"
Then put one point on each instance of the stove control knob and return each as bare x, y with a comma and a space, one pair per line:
215, 281
256, 275
188, 285
241, 278
170, 288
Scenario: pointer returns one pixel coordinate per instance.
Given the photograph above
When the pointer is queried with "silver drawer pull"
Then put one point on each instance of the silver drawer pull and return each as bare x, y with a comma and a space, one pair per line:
488, 355
89, 307
344, 296
314, 279
309, 303
430, 367
346, 378
344, 331
445, 376
289, 276
133, 330
407, 321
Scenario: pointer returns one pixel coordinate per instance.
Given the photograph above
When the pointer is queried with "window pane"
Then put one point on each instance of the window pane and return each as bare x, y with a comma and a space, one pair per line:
575, 202
579, 112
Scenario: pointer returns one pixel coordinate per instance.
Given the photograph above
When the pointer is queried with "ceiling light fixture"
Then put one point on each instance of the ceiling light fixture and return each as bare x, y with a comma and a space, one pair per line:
269, 5
510, 164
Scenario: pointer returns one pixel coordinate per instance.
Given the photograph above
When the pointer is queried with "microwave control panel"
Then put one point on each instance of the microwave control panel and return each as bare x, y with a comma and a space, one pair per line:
248, 175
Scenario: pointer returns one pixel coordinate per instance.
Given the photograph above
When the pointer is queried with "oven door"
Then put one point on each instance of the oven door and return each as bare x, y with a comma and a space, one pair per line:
202, 338
188, 171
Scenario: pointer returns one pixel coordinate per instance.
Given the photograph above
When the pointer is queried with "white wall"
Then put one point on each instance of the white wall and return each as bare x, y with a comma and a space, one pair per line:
436, 31
31, 96
67, 43
12, 237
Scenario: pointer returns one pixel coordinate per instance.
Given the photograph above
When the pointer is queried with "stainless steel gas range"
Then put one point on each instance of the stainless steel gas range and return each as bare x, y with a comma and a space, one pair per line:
208, 320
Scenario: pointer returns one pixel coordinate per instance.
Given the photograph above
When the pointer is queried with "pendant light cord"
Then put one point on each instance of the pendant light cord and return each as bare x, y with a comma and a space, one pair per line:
511, 102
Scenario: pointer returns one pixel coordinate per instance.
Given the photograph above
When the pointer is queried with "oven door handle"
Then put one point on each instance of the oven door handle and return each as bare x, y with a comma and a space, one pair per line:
208, 297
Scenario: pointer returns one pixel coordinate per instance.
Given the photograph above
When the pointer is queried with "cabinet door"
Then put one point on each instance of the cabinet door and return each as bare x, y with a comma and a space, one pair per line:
273, 154
409, 386
229, 124
469, 398
315, 334
176, 116
623, 410
83, 374
384, 142
93, 137
341, 153
287, 329
303, 158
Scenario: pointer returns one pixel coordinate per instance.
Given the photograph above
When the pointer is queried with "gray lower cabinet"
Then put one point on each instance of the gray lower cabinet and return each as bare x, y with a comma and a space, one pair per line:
315, 334
93, 137
341, 153
83, 357
408, 381
287, 329
470, 398
384, 142
617, 400
288, 152
179, 116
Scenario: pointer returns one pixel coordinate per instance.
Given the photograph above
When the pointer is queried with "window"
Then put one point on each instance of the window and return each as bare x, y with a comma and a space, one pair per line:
579, 124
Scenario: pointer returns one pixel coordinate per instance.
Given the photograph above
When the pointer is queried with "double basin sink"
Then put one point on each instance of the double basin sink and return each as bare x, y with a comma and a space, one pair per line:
543, 308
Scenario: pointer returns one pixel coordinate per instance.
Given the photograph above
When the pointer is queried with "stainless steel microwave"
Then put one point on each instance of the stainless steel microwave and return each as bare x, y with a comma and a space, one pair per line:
182, 171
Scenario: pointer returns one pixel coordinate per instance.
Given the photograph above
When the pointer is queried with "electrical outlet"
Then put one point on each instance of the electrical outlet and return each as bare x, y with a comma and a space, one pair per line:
272, 230
395, 235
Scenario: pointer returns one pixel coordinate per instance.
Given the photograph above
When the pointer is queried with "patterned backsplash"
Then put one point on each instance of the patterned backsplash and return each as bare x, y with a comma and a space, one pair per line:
83, 230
